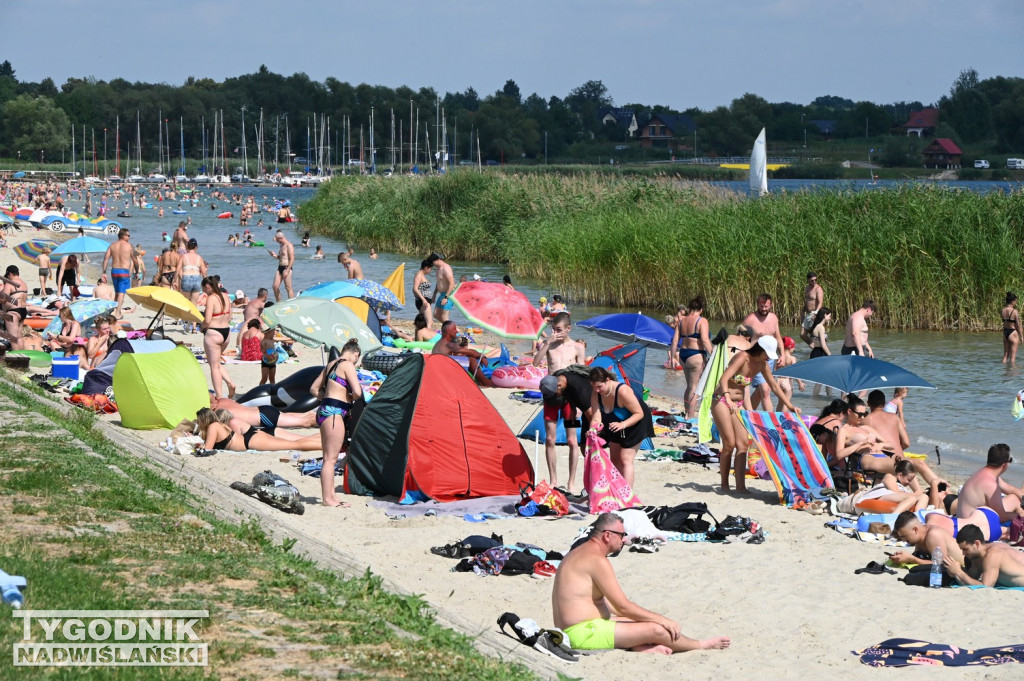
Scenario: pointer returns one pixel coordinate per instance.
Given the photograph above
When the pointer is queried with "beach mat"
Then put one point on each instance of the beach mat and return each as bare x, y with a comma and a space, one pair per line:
504, 506
904, 652
794, 461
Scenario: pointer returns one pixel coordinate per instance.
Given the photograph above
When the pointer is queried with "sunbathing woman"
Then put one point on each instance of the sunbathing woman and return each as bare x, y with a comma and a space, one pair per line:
900, 488
266, 417
728, 398
338, 387
70, 329
219, 435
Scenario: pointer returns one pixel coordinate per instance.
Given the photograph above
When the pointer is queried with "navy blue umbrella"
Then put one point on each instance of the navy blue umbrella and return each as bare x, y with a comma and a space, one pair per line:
630, 327
853, 373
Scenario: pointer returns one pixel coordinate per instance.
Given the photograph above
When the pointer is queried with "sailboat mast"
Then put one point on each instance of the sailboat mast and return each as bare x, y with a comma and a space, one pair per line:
117, 145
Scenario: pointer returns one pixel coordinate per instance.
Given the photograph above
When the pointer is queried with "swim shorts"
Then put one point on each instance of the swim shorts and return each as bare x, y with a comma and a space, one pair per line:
552, 410
121, 279
758, 378
596, 634
849, 350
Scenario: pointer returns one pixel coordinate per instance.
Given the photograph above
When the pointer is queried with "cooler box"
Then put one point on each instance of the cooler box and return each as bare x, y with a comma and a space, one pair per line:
65, 367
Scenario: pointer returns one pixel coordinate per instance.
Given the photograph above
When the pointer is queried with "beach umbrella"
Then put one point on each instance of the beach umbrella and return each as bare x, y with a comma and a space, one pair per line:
5, 219
84, 311
377, 295
396, 282
31, 249
82, 245
316, 322
629, 327
18, 175
498, 309
853, 373
332, 290
363, 312
165, 301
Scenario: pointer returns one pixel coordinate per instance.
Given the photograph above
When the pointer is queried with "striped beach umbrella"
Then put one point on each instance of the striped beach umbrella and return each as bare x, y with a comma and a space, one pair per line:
30, 250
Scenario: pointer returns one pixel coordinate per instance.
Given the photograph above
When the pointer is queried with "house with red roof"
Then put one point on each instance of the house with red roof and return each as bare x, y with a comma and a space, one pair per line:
942, 153
922, 123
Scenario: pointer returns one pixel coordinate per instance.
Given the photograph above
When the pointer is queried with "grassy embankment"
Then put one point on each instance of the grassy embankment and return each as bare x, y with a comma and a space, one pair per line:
93, 529
931, 258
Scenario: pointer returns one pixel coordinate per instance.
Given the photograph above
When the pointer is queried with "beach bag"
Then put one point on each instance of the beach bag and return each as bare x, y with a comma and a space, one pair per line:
606, 488
542, 494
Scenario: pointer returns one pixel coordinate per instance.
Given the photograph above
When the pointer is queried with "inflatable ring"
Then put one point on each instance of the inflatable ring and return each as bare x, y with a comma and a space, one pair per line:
224, 215
417, 345
526, 376
38, 323
877, 506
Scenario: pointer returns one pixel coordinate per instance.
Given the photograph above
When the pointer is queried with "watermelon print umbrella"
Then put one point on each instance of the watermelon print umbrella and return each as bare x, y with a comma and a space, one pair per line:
499, 309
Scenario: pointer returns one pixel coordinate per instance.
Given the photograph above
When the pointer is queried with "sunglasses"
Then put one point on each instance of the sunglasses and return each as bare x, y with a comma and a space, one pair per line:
621, 534
862, 414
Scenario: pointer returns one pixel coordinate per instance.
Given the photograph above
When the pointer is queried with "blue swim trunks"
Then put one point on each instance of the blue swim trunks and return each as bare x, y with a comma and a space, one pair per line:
121, 279
759, 379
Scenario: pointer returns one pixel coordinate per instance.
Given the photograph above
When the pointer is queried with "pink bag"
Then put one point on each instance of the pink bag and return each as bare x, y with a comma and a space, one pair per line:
606, 488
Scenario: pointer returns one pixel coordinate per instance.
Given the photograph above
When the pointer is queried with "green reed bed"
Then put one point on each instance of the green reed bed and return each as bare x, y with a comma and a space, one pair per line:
931, 258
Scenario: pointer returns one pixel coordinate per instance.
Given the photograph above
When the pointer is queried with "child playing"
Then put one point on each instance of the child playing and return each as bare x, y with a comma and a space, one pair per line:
268, 357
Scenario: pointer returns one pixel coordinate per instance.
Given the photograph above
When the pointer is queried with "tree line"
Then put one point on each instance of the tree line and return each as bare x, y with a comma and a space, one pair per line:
36, 118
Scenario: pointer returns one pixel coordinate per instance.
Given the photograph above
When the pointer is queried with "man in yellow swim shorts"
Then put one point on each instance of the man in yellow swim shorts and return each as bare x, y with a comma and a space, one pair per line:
586, 595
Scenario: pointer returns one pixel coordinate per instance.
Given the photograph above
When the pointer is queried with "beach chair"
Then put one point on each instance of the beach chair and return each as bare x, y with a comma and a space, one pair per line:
790, 453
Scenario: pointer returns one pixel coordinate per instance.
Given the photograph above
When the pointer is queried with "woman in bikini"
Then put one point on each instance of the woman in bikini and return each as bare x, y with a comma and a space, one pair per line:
338, 388
691, 337
70, 329
216, 328
423, 330
67, 275
1012, 332
729, 398
167, 269
421, 289
220, 431
620, 418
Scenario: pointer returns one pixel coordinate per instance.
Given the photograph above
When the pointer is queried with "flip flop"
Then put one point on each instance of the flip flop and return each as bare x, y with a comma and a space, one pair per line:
874, 568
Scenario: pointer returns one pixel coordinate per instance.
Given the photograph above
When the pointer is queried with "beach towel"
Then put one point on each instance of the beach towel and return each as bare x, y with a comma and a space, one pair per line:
794, 461
903, 652
606, 488
706, 389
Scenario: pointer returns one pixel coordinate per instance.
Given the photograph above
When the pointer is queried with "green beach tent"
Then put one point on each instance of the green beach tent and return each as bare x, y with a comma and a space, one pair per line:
158, 390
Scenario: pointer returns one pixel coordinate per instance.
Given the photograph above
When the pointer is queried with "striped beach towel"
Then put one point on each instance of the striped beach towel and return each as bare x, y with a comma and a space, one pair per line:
791, 454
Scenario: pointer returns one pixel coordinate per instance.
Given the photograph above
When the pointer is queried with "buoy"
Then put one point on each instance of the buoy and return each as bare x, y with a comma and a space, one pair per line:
225, 214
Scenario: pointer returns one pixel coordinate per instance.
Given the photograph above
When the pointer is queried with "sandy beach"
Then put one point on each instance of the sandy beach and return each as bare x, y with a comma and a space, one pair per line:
792, 605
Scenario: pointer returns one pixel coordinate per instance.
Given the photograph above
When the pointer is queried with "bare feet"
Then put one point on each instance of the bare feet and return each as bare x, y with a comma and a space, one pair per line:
653, 648
231, 391
717, 643
336, 504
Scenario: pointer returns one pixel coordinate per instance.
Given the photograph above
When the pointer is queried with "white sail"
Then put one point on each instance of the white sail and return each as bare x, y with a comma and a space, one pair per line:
759, 167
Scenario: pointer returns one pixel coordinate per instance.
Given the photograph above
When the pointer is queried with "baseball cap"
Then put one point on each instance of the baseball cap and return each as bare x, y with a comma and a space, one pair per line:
193, 243
543, 299
476, 277
239, 293
770, 346
549, 387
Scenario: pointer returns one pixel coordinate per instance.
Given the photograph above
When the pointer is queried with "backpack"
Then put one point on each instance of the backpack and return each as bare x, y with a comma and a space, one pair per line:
578, 369
687, 518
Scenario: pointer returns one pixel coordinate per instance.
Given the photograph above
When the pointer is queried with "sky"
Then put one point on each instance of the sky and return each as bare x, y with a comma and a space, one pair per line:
677, 53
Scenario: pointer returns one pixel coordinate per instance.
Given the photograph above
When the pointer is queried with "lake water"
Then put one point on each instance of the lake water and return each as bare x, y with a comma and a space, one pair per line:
969, 411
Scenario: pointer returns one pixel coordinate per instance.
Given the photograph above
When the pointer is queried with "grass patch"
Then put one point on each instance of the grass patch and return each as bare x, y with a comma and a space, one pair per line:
86, 537
931, 257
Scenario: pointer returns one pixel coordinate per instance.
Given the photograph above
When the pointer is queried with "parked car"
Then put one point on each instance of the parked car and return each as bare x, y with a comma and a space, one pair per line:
981, 163
1015, 163
356, 162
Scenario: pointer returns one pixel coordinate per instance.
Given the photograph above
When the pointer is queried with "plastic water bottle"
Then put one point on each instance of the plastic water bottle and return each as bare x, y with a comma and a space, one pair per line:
935, 577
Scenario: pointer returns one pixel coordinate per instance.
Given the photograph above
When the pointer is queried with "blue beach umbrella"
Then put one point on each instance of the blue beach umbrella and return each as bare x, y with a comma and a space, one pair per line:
629, 327
378, 296
853, 373
84, 311
18, 175
333, 289
82, 245
6, 219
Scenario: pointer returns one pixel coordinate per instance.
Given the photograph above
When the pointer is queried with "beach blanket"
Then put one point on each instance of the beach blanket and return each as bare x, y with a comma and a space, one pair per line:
903, 652
794, 461
709, 379
497, 507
